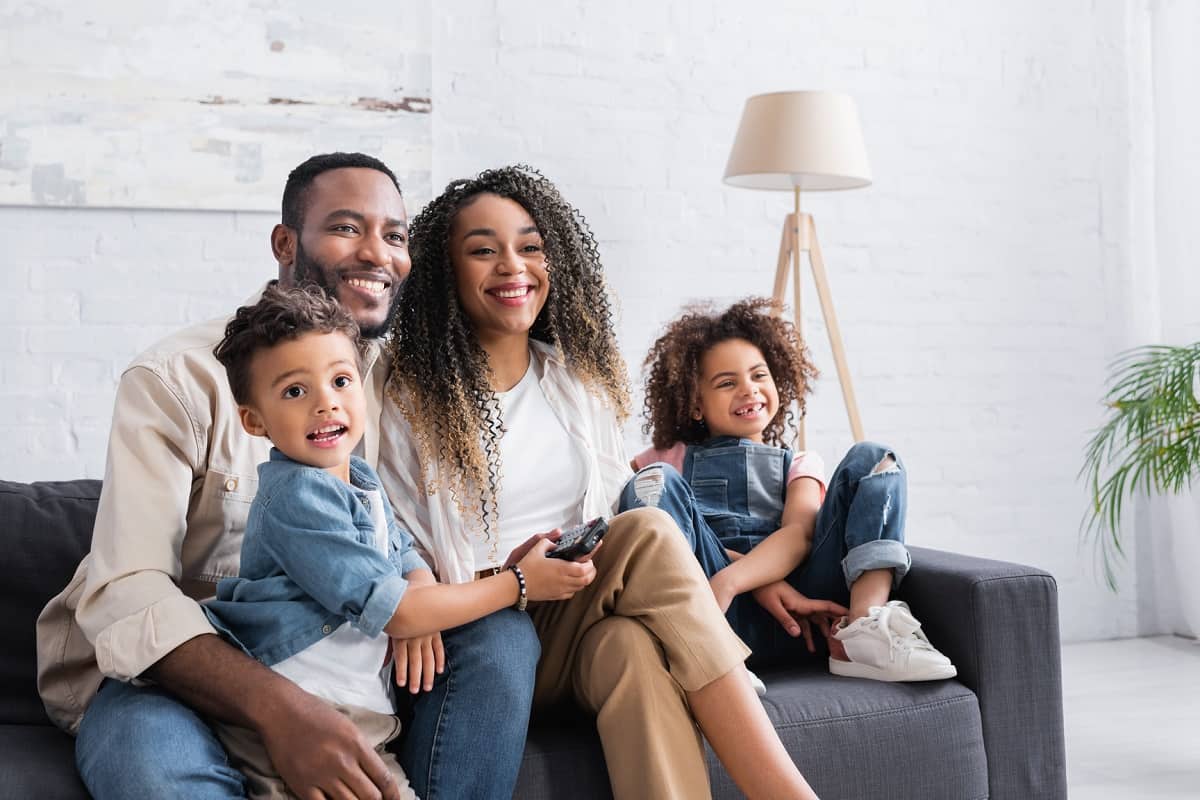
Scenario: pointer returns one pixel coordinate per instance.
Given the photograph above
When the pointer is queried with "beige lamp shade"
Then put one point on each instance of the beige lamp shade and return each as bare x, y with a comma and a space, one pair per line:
806, 140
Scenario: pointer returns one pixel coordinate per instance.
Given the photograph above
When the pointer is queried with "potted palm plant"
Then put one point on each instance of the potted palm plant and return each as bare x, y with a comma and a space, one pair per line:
1149, 442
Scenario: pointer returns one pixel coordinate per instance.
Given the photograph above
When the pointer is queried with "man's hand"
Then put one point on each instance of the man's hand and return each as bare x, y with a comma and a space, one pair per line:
418, 660
796, 613
320, 754
316, 750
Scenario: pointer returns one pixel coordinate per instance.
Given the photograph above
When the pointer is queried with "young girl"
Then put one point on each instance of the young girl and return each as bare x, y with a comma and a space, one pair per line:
760, 518
503, 420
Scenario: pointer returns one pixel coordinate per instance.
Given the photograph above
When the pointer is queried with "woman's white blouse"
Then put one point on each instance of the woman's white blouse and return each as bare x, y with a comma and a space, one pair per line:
444, 537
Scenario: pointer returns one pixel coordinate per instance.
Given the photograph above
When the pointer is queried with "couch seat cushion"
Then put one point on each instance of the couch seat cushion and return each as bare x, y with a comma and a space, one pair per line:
851, 738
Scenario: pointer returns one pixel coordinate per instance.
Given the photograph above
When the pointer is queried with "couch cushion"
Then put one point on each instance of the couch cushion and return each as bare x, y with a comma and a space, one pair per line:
45, 530
850, 738
38, 761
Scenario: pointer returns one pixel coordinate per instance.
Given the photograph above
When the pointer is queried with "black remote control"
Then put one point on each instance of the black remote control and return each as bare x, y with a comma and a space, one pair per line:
579, 540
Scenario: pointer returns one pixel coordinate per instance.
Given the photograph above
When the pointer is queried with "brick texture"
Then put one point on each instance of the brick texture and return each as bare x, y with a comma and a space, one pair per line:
981, 282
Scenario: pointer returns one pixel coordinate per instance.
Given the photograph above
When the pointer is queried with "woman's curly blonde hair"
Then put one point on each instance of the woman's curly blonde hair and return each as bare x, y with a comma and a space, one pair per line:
673, 369
440, 375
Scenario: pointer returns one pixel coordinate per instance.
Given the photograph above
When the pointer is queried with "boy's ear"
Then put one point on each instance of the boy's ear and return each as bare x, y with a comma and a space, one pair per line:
252, 421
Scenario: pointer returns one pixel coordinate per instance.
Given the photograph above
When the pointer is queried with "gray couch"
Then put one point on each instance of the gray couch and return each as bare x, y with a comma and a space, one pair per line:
996, 731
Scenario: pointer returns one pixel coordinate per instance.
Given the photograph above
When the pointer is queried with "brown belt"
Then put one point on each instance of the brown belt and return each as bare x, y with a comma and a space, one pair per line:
487, 573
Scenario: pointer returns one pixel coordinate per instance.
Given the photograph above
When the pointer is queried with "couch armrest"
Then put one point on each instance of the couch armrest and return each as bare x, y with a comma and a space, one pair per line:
998, 623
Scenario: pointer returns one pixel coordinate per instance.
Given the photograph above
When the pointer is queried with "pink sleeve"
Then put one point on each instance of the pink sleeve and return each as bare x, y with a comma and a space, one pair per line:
673, 455
808, 464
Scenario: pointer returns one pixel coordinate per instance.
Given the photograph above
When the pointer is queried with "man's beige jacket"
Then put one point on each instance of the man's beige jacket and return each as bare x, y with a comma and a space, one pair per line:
178, 482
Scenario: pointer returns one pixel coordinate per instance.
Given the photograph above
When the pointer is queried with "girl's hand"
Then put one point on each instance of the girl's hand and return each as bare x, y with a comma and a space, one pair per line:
722, 589
553, 578
418, 660
796, 613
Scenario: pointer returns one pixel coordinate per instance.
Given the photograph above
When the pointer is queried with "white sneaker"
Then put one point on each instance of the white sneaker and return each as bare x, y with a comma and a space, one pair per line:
888, 645
760, 688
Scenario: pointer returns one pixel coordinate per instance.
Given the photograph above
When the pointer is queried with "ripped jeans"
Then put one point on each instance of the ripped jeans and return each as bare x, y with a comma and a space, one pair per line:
859, 527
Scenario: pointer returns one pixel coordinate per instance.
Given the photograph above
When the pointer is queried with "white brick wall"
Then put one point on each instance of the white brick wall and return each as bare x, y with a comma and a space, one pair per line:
973, 280
85, 290
981, 283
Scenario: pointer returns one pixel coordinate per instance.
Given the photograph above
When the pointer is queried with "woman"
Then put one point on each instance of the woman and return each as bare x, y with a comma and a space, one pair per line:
503, 420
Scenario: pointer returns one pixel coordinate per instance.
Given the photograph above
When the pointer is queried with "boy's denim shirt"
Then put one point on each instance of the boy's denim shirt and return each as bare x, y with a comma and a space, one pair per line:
309, 563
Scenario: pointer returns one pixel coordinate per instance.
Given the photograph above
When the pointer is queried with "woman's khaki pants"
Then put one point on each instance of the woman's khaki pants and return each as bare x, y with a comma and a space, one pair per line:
629, 645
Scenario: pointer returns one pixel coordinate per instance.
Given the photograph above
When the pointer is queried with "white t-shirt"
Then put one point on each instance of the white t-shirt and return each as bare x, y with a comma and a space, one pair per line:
445, 534
347, 665
543, 475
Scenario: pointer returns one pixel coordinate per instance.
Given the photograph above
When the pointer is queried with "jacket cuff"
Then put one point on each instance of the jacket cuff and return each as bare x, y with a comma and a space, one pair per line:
412, 560
381, 605
130, 646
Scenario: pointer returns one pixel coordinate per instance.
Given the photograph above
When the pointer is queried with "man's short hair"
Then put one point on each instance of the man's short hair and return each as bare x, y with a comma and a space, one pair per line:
295, 191
281, 315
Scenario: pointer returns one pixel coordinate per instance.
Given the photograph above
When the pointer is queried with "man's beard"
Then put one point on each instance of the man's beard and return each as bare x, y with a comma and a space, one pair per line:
310, 271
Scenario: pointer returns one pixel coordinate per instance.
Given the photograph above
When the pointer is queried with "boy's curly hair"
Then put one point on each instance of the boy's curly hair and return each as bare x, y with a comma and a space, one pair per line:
673, 369
440, 374
281, 314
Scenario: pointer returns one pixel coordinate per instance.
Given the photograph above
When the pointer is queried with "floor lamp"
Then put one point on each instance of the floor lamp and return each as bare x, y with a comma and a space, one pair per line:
810, 141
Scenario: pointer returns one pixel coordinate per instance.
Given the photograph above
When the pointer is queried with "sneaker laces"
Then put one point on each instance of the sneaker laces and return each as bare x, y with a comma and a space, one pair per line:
902, 629
905, 627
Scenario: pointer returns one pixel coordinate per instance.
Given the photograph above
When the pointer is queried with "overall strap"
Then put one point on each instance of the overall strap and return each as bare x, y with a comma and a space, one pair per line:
789, 456
688, 462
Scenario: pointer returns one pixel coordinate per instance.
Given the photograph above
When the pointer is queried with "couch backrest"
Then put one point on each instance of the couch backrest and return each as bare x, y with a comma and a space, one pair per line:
45, 530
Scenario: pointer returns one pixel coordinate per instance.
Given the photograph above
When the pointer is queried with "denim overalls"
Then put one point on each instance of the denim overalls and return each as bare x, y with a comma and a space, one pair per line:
730, 495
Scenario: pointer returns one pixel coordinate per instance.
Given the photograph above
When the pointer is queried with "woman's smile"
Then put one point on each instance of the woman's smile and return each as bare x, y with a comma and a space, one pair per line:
499, 265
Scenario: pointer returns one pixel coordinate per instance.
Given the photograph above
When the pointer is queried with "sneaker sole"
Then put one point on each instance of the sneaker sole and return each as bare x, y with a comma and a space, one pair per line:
849, 669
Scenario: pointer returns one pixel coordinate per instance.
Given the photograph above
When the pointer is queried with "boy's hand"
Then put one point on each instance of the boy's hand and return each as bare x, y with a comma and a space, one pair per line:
796, 613
553, 578
521, 550
418, 660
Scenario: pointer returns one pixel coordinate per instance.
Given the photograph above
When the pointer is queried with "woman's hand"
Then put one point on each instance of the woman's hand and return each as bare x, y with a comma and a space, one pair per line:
418, 660
553, 578
796, 613
521, 550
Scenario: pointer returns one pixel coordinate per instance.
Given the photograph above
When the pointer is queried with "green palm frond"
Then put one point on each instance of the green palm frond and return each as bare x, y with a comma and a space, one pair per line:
1149, 442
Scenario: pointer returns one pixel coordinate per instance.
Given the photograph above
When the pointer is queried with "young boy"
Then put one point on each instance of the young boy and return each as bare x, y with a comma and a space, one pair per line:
325, 572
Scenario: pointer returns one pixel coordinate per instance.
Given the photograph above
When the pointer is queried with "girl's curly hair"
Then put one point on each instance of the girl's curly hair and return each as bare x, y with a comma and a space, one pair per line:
673, 369
440, 376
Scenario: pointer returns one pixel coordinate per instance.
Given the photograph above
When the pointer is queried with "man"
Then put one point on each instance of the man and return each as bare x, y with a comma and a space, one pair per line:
127, 658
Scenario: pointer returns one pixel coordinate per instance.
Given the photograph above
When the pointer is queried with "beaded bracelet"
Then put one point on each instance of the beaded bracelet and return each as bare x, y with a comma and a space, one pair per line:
523, 600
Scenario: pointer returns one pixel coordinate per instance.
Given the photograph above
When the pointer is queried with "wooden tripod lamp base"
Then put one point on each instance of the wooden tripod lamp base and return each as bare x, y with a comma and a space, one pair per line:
800, 235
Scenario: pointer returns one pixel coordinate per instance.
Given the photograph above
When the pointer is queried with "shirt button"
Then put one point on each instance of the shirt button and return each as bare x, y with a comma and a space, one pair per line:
326, 629
231, 484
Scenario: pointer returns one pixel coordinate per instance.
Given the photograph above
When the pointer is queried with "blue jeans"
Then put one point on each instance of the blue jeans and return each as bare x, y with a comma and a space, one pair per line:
142, 742
467, 735
466, 738
859, 527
